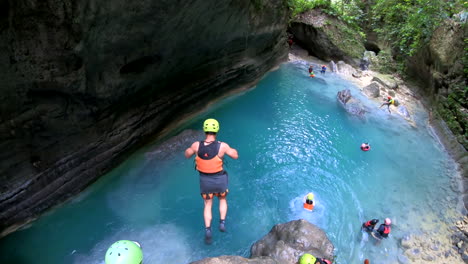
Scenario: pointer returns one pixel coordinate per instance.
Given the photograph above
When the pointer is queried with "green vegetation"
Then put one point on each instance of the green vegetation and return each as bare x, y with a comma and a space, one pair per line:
453, 110
408, 24
348, 11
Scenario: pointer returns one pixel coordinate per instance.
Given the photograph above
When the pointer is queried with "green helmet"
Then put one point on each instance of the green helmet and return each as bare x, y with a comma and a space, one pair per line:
124, 252
211, 125
307, 259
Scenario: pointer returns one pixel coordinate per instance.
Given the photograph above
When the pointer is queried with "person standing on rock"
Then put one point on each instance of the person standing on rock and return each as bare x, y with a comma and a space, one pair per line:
389, 102
213, 177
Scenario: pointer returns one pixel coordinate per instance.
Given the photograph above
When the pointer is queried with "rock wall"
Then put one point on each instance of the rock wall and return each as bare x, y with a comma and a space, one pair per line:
439, 66
86, 82
326, 37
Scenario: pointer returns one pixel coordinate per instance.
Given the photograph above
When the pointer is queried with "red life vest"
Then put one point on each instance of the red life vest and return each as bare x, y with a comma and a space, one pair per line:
387, 229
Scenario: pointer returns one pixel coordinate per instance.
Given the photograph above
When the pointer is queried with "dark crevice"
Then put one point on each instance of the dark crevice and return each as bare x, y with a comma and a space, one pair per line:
372, 47
139, 65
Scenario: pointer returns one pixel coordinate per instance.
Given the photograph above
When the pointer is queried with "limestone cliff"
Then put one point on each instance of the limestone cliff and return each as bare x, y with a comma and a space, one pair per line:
440, 66
326, 37
85, 82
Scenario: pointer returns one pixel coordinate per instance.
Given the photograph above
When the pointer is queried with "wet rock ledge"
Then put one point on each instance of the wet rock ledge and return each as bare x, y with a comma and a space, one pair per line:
284, 244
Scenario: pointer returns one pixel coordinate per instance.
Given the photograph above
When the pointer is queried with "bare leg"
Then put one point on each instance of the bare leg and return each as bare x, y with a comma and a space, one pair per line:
207, 212
222, 208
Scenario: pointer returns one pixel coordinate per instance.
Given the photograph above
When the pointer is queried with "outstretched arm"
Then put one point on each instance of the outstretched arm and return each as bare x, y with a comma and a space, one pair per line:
191, 150
229, 151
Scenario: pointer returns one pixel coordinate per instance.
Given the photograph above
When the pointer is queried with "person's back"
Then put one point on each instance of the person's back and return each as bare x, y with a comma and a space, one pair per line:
370, 225
385, 228
213, 178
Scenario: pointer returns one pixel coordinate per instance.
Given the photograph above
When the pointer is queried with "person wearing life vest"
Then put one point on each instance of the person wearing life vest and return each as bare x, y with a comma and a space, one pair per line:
324, 69
213, 178
365, 146
310, 259
311, 71
309, 202
370, 225
322, 261
385, 229
389, 102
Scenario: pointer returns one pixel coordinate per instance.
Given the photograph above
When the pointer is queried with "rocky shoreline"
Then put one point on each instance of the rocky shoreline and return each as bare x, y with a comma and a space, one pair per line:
417, 248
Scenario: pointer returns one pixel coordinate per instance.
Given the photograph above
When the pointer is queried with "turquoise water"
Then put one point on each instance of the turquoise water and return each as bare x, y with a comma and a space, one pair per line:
293, 138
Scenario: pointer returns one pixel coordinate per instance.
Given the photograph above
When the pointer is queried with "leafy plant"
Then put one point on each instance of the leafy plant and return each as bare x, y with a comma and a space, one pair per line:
408, 24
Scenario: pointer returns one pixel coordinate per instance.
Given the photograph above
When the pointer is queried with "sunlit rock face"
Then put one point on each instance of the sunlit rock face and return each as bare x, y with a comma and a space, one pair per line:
327, 38
86, 82
284, 244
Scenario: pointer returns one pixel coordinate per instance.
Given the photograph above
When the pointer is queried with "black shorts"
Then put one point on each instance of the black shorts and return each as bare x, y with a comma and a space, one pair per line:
215, 184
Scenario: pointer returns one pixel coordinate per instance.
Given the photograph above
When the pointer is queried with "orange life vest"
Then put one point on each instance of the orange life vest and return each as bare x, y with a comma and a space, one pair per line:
207, 159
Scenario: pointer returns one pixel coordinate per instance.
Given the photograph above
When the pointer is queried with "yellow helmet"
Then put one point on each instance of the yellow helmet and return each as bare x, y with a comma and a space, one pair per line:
211, 125
307, 259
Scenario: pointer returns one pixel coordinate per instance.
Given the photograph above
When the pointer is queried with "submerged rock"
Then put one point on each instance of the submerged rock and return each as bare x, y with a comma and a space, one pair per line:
350, 104
403, 111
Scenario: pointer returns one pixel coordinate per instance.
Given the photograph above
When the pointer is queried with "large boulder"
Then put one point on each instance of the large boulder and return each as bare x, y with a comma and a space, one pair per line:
350, 104
86, 82
372, 90
326, 37
287, 242
237, 260
284, 244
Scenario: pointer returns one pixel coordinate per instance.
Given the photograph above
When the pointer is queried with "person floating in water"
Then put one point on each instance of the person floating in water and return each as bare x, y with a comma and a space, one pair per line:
366, 261
370, 225
310, 259
311, 71
209, 156
389, 102
309, 202
383, 231
324, 69
365, 146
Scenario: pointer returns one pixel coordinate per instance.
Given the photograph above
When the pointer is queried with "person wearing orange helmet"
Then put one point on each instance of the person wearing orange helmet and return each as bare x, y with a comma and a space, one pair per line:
389, 102
209, 155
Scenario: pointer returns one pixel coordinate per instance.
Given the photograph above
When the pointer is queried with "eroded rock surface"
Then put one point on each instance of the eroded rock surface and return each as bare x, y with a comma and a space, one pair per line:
86, 82
284, 244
